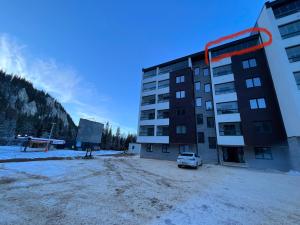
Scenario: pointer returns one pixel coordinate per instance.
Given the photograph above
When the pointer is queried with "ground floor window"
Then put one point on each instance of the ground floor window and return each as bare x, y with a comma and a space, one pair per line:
263, 153
149, 148
165, 148
212, 142
233, 154
183, 148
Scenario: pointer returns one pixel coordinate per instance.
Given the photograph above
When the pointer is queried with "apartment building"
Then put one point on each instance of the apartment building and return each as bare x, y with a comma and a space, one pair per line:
243, 109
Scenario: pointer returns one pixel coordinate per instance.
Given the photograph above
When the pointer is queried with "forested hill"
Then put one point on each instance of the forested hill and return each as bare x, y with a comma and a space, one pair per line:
26, 110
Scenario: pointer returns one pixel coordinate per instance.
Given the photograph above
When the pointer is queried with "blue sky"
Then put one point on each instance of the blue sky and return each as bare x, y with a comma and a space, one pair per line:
89, 54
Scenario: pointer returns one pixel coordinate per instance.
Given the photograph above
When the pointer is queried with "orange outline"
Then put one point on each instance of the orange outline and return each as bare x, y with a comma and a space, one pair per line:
240, 52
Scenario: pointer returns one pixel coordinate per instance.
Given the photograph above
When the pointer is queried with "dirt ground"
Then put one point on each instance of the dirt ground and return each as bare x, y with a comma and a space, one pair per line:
130, 190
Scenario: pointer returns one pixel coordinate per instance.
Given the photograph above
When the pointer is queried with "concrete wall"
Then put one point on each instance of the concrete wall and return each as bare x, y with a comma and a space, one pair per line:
173, 151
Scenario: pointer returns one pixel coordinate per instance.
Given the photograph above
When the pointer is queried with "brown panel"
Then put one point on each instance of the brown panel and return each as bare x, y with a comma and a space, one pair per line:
188, 104
267, 91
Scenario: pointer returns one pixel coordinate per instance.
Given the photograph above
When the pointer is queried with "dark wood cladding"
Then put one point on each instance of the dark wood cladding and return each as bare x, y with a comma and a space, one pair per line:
267, 91
187, 103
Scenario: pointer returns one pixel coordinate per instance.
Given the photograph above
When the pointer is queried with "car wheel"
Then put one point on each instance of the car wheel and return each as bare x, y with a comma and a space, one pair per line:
179, 166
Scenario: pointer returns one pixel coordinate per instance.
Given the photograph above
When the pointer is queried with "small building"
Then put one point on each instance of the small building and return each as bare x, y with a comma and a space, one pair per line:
134, 148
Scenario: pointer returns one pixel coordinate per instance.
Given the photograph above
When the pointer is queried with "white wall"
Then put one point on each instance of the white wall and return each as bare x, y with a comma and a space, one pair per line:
282, 70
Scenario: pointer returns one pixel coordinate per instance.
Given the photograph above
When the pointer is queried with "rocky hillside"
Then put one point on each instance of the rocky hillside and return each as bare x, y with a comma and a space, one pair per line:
26, 110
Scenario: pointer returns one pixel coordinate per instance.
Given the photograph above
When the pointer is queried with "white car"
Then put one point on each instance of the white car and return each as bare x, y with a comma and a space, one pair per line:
189, 159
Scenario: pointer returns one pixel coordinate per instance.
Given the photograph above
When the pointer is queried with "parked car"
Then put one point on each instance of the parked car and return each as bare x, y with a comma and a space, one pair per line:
189, 159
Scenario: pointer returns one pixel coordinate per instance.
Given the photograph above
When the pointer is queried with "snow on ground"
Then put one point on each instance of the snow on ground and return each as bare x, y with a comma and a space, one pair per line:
15, 152
130, 190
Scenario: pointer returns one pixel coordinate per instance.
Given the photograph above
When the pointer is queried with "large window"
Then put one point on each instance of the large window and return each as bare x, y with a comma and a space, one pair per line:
230, 129
286, 9
149, 86
263, 127
209, 105
174, 67
259, 103
146, 130
290, 29
180, 94
180, 112
148, 114
198, 102
207, 88
163, 114
253, 82
249, 63
163, 84
197, 71
222, 70
200, 137
165, 148
293, 53
197, 86
184, 148
227, 108
163, 98
210, 122
181, 129
212, 142
162, 131
199, 118
224, 88
149, 148
263, 153
179, 79
297, 78
150, 73
148, 100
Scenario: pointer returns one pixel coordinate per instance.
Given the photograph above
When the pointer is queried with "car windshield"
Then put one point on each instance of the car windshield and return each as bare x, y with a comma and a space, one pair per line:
187, 154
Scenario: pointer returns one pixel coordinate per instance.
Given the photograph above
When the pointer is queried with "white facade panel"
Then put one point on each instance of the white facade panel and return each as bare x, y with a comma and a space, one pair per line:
231, 140
153, 139
157, 122
234, 117
222, 62
282, 70
230, 97
223, 79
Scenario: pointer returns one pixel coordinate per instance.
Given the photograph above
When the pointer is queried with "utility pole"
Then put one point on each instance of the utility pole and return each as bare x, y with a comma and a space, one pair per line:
48, 142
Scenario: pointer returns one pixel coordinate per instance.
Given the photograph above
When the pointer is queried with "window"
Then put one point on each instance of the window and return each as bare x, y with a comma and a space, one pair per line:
150, 73
180, 94
162, 131
181, 129
179, 79
184, 148
148, 100
212, 142
250, 63
297, 78
163, 98
206, 72
224, 88
207, 88
293, 53
210, 122
149, 148
174, 67
208, 105
197, 86
263, 153
163, 114
286, 9
197, 71
259, 103
163, 84
290, 29
198, 102
180, 112
146, 131
230, 129
164, 148
263, 127
199, 118
148, 114
149, 86
200, 137
227, 108
222, 70
253, 82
